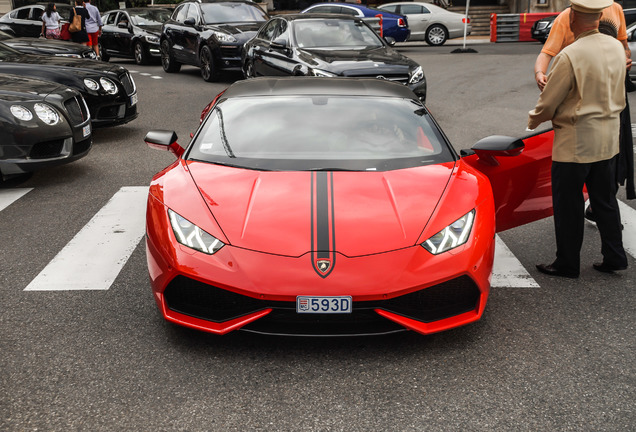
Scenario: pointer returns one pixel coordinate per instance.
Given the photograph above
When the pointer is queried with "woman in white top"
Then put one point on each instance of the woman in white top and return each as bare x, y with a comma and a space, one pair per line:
51, 22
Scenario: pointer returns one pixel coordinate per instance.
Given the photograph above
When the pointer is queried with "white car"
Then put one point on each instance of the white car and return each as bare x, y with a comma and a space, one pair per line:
428, 22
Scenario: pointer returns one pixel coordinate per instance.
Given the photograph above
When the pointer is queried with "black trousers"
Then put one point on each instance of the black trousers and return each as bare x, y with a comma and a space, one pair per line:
569, 206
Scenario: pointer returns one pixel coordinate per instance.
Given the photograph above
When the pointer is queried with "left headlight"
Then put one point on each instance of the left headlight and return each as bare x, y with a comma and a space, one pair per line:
454, 235
91, 84
190, 235
21, 112
109, 86
47, 113
152, 39
417, 75
223, 37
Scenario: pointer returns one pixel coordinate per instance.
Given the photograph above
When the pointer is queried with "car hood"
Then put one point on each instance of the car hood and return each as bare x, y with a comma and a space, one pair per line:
349, 62
15, 88
248, 28
72, 64
152, 29
284, 212
50, 46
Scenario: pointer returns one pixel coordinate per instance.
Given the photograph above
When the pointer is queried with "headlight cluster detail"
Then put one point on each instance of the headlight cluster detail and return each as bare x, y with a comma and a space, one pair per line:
46, 113
108, 85
417, 75
192, 236
456, 234
152, 39
224, 37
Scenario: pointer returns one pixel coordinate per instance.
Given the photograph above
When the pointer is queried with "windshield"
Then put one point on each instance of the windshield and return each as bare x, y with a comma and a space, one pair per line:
218, 13
6, 52
319, 133
331, 33
150, 17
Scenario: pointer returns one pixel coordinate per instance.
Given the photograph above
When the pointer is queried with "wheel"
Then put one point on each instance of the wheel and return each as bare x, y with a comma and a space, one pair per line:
141, 58
436, 35
168, 62
102, 53
206, 60
249, 69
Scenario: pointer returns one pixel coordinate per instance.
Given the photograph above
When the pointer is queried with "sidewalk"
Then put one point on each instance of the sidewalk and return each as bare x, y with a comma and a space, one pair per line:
470, 40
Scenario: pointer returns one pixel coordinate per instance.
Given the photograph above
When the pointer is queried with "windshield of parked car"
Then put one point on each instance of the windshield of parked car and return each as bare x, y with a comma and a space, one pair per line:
334, 33
218, 13
150, 17
320, 133
6, 52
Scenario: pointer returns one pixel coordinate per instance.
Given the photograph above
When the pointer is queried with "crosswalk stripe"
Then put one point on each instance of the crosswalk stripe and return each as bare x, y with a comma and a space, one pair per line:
628, 217
507, 270
8, 196
95, 256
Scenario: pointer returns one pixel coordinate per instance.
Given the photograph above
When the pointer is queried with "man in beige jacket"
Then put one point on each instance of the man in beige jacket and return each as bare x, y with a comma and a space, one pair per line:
583, 98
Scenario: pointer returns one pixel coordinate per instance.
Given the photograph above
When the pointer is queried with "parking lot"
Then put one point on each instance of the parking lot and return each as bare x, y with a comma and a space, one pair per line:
547, 355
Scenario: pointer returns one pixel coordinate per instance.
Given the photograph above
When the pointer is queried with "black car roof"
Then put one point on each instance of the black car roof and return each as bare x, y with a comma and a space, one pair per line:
295, 86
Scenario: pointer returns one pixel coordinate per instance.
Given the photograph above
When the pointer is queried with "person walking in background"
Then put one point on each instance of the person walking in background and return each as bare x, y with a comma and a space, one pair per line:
80, 36
51, 22
583, 97
93, 26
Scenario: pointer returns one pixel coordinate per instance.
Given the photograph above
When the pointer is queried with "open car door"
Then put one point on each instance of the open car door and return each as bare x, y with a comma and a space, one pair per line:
522, 185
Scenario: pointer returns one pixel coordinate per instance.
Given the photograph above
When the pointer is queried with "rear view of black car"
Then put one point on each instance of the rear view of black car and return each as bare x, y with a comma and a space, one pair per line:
132, 33
42, 124
209, 35
109, 90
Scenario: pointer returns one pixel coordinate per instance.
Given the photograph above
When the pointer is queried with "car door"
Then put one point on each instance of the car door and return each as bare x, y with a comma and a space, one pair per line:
192, 36
121, 33
107, 38
173, 30
21, 23
419, 18
522, 185
34, 28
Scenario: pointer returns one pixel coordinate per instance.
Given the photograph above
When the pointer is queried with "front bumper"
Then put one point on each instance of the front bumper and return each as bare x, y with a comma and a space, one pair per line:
117, 109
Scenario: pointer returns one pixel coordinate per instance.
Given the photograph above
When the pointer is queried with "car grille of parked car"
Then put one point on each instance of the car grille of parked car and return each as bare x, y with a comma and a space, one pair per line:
400, 78
77, 110
128, 83
46, 149
210, 303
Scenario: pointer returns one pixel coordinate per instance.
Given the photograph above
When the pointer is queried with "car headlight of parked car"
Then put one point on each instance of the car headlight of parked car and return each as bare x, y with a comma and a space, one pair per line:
454, 235
417, 75
320, 73
152, 39
46, 113
109, 86
190, 235
223, 37
91, 84
21, 113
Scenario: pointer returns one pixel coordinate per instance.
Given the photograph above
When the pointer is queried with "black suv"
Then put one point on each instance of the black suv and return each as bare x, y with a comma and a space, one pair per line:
209, 35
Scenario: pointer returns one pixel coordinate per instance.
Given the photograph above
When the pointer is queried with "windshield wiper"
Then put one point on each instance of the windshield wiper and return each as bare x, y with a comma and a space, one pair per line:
226, 145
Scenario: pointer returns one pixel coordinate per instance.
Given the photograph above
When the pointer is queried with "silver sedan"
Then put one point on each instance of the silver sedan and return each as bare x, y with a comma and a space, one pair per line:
428, 22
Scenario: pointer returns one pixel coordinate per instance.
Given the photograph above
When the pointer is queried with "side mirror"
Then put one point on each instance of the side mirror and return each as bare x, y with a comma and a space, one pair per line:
190, 22
164, 140
389, 40
280, 43
487, 149
122, 25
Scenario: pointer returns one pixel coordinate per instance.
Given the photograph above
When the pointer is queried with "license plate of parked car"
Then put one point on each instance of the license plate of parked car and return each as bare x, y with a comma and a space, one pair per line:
320, 304
133, 99
86, 130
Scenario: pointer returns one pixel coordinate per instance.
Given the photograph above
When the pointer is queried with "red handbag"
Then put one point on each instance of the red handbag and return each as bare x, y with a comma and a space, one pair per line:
64, 33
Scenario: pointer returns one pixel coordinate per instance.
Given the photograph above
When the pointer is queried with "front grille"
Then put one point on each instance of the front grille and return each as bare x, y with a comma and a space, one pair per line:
81, 146
399, 78
76, 109
128, 83
231, 52
46, 149
210, 303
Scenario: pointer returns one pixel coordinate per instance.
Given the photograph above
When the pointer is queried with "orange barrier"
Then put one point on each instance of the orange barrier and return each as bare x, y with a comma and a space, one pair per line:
514, 27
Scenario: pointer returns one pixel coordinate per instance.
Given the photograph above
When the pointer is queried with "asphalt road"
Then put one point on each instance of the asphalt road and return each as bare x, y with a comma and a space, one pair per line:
559, 356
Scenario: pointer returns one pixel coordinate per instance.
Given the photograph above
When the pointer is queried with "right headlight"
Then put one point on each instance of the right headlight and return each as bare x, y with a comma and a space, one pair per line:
22, 113
454, 235
190, 235
417, 75
91, 84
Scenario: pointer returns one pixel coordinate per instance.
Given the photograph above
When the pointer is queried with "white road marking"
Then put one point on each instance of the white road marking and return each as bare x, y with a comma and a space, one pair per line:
8, 196
145, 74
156, 77
95, 256
507, 270
628, 217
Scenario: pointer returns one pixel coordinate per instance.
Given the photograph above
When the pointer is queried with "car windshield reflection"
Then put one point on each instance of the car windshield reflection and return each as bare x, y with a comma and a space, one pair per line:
341, 34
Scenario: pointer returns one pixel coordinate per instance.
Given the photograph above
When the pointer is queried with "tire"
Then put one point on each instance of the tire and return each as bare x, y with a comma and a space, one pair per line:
141, 58
206, 60
436, 35
168, 62
248, 71
102, 54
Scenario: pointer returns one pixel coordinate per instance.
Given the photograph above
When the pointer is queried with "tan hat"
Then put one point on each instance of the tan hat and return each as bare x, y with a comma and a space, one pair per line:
590, 6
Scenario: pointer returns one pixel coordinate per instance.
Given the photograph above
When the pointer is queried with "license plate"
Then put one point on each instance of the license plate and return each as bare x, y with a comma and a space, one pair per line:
133, 99
86, 130
323, 305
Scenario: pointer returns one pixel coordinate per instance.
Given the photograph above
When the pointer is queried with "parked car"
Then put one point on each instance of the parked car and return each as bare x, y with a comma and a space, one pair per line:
332, 206
53, 47
209, 35
42, 124
132, 33
393, 25
328, 45
540, 30
109, 90
430, 23
27, 20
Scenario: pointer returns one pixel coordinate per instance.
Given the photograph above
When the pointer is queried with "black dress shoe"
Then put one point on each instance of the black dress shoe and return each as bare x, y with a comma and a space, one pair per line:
549, 269
589, 215
607, 268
